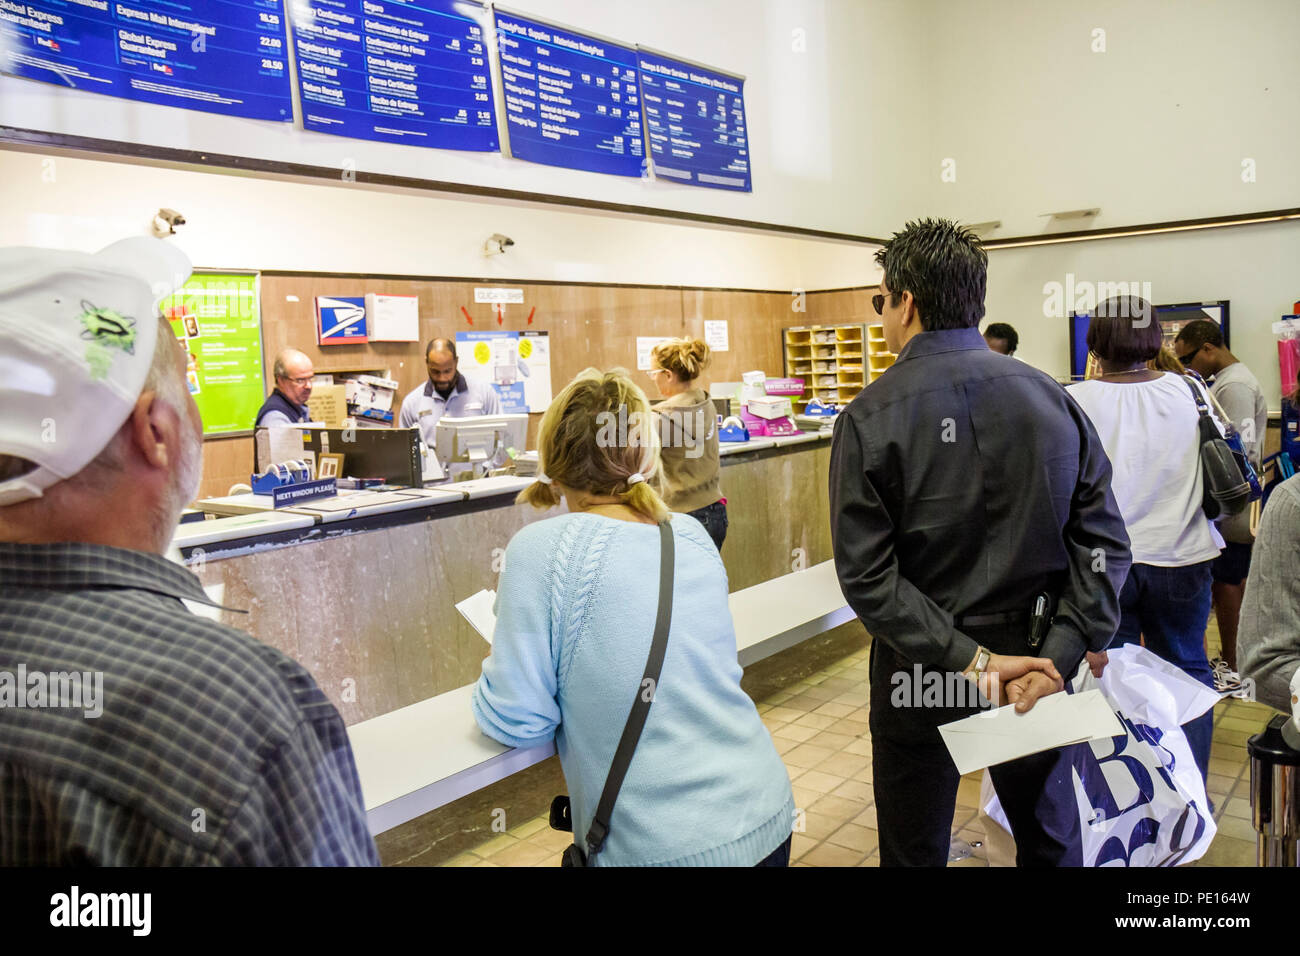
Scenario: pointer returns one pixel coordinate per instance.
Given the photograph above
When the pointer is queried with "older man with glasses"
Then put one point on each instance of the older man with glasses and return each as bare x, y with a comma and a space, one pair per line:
287, 403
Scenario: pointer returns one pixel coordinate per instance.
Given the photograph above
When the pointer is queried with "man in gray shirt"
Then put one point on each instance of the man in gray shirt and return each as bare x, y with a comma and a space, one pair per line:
1200, 346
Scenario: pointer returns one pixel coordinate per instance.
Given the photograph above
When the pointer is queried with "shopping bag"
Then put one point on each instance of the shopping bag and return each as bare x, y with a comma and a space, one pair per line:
1140, 796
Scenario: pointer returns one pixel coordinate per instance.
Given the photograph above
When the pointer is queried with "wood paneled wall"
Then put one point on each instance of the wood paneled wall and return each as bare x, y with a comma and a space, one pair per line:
588, 325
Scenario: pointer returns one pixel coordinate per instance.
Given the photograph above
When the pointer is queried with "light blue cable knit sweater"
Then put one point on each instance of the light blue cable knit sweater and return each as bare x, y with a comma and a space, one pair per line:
575, 616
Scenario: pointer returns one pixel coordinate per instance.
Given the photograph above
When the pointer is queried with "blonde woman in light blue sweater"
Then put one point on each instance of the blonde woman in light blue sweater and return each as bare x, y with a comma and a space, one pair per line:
575, 616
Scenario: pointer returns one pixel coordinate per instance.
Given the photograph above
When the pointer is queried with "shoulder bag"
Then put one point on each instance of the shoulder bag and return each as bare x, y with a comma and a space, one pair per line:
1227, 488
561, 817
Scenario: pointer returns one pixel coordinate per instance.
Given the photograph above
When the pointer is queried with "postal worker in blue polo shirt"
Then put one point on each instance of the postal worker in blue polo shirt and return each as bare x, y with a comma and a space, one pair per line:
287, 403
447, 392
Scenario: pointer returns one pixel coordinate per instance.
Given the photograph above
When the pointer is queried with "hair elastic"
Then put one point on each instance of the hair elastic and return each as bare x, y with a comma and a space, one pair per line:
543, 479
635, 478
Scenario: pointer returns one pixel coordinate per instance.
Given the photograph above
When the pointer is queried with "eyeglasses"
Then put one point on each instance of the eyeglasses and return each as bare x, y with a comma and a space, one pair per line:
878, 301
300, 382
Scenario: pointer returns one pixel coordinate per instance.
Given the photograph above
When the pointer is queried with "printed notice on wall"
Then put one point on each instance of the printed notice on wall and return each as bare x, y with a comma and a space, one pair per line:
516, 364
504, 296
715, 334
644, 344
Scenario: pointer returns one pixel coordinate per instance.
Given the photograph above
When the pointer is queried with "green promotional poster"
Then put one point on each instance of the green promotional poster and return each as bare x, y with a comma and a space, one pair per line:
217, 319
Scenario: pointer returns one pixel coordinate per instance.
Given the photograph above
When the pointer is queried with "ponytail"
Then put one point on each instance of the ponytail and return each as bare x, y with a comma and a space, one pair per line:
645, 500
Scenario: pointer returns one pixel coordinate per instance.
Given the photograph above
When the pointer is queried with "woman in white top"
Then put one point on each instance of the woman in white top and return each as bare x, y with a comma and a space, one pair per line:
1147, 421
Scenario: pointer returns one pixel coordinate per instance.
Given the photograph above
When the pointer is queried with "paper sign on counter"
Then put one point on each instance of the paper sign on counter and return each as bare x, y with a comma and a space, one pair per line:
478, 610
328, 404
996, 736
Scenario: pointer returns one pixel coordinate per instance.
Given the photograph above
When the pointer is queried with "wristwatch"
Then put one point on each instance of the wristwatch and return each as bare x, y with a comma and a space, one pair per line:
982, 658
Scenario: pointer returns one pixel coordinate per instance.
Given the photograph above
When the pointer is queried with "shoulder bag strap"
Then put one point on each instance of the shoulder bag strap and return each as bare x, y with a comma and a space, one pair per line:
644, 698
1208, 430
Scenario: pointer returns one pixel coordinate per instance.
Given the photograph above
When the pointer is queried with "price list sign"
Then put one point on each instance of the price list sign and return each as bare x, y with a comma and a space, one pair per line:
571, 99
397, 72
695, 122
220, 57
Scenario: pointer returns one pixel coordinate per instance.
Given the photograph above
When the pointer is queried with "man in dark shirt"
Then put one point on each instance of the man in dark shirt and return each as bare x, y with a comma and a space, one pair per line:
287, 403
1002, 338
132, 731
963, 484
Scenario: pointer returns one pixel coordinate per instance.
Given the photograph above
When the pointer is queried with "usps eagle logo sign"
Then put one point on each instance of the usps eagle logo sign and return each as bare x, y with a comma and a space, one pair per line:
341, 321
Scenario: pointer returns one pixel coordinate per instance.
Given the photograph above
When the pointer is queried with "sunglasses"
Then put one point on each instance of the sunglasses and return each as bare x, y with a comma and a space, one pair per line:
1185, 359
878, 301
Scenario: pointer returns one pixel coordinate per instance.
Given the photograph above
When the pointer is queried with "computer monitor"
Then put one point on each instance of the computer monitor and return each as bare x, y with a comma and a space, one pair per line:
477, 439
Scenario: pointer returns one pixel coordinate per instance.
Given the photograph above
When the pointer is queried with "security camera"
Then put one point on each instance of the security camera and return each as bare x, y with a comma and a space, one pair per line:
166, 221
496, 244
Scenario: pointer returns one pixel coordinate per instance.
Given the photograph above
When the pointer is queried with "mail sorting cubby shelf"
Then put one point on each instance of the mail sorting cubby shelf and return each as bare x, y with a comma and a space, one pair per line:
831, 360
879, 357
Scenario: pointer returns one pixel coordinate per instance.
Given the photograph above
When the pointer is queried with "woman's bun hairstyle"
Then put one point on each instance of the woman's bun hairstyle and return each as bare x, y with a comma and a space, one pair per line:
685, 358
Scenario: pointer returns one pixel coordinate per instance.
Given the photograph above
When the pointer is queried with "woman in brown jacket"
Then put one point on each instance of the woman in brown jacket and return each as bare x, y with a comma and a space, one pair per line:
688, 434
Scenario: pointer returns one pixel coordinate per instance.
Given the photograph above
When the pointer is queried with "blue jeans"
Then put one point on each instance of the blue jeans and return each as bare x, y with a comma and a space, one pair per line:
1169, 607
714, 519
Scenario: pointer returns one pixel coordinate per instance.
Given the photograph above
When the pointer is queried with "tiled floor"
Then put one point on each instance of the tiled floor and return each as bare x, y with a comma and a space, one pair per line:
819, 726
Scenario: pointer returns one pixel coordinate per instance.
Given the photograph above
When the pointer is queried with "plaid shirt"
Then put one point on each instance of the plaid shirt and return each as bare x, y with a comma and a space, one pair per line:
212, 748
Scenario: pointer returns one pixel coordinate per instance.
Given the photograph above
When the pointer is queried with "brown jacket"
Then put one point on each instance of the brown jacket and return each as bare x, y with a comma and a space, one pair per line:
689, 435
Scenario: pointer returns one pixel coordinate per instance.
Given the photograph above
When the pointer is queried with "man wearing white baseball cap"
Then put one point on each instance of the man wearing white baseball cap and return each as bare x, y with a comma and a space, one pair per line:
133, 732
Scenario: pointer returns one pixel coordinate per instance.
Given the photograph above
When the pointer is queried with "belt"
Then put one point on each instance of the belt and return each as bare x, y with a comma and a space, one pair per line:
990, 620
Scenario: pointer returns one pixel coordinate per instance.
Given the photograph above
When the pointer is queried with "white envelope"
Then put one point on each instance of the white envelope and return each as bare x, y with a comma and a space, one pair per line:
478, 610
996, 736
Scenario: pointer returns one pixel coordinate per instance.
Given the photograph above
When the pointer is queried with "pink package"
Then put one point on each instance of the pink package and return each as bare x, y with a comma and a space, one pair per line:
756, 426
1288, 363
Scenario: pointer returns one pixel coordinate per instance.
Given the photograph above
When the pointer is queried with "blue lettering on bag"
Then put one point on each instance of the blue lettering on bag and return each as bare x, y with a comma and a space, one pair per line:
1145, 832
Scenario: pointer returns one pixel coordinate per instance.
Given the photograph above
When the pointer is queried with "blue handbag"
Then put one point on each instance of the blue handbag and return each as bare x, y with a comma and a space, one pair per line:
1243, 462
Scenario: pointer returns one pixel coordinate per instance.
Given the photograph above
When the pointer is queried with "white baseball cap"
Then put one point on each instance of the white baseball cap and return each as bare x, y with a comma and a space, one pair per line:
77, 337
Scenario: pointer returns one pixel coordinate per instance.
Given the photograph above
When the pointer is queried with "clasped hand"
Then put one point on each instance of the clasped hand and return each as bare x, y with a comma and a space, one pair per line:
1020, 681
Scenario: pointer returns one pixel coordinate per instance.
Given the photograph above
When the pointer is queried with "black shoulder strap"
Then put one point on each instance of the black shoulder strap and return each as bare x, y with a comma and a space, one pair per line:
644, 698
1201, 404
1208, 430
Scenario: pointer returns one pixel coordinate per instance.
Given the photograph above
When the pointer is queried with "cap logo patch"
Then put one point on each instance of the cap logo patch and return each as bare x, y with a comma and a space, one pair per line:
105, 328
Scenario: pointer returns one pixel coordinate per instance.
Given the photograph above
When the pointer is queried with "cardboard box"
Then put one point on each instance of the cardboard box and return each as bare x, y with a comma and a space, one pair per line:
771, 407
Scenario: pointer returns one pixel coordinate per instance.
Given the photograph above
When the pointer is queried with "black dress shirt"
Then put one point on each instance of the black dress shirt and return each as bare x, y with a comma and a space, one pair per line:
965, 482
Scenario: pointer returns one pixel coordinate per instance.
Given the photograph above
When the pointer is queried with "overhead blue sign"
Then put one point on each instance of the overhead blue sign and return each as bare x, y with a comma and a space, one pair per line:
396, 71
695, 123
220, 57
571, 99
